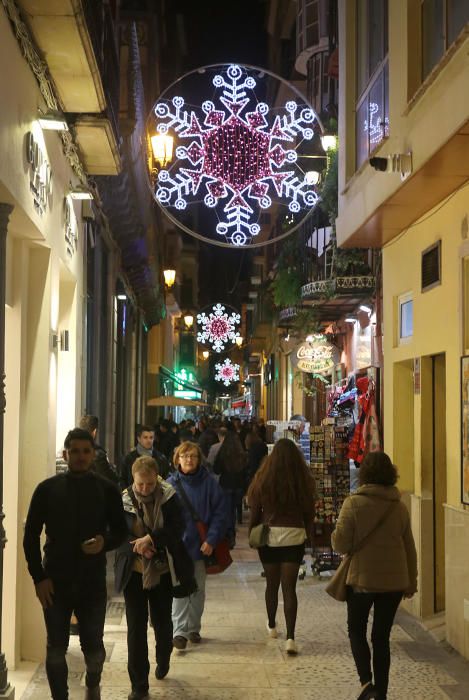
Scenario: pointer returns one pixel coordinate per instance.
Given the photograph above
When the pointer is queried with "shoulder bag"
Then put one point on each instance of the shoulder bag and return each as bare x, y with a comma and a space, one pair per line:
259, 535
337, 586
220, 559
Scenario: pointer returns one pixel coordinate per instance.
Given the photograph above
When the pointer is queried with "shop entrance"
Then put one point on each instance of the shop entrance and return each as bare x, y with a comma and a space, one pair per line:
434, 465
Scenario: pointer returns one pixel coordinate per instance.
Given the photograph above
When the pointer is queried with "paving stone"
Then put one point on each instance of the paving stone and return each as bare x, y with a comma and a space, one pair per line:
236, 660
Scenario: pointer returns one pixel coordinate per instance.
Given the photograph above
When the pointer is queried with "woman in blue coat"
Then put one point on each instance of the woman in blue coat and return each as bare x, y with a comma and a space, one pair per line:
194, 482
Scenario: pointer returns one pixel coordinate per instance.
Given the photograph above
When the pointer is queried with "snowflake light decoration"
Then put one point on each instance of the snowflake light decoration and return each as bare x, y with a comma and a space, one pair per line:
234, 156
227, 372
218, 328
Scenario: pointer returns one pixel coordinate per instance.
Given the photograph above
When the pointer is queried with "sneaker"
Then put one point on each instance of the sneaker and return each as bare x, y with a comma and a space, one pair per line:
271, 631
290, 647
195, 638
179, 643
161, 671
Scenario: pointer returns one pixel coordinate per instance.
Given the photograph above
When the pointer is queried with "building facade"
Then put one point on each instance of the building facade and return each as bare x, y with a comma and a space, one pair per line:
403, 130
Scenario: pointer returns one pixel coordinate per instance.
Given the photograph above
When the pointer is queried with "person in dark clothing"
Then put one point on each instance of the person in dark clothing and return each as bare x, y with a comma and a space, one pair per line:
256, 452
101, 464
207, 437
230, 464
146, 566
166, 439
144, 447
83, 518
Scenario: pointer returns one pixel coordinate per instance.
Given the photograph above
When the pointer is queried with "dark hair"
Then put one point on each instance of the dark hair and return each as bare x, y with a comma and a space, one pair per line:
222, 432
284, 479
78, 434
377, 468
89, 423
144, 429
231, 454
186, 435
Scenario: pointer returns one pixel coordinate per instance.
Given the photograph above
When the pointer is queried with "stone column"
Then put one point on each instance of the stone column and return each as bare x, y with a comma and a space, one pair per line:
6, 690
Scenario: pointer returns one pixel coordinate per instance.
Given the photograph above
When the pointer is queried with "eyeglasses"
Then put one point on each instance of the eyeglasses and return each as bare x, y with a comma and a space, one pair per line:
189, 456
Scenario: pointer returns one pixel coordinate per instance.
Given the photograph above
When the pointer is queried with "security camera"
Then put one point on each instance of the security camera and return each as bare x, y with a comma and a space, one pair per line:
380, 164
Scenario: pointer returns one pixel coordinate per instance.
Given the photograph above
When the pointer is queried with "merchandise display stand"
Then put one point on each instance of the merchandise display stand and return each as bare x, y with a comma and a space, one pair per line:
330, 469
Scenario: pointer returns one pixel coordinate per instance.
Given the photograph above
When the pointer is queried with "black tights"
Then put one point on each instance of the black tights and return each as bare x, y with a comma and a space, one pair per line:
286, 575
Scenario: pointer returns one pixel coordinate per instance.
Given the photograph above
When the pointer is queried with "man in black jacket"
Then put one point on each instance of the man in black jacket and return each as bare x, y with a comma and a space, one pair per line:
101, 464
83, 518
144, 447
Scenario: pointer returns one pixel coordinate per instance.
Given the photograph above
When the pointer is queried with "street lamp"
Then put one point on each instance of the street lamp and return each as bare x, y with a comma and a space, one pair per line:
329, 142
239, 340
205, 354
162, 147
169, 277
188, 321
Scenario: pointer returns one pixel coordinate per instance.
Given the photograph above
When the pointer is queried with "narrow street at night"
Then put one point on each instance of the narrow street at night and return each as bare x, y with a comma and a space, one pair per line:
236, 660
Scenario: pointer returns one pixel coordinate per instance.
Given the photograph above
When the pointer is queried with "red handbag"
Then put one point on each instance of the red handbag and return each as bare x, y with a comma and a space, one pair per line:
220, 559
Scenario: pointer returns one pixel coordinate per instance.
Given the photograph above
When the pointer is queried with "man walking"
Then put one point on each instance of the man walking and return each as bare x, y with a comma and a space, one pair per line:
83, 518
145, 446
101, 465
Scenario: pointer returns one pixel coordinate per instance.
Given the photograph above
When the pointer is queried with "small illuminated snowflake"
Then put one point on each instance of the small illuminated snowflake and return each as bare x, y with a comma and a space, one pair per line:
237, 155
218, 328
227, 372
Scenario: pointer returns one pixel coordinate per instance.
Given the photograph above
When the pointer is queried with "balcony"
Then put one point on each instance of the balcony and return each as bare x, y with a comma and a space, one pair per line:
77, 41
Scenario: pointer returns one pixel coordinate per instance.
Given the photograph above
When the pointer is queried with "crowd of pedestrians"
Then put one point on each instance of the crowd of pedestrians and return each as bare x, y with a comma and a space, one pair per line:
166, 510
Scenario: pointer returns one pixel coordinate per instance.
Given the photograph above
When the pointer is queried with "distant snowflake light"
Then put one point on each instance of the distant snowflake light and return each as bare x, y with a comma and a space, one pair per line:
217, 327
227, 372
231, 155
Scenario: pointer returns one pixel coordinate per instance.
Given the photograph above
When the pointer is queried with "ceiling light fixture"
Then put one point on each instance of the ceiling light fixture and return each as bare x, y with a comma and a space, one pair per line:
53, 121
80, 192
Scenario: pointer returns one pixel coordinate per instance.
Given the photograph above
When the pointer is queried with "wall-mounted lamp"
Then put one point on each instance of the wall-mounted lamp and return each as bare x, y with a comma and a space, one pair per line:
52, 120
62, 341
188, 320
329, 142
350, 320
256, 279
312, 177
169, 277
239, 340
366, 309
162, 147
122, 297
80, 192
205, 354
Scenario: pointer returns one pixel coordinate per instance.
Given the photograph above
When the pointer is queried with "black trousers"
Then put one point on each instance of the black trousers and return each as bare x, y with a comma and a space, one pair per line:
137, 602
88, 600
384, 611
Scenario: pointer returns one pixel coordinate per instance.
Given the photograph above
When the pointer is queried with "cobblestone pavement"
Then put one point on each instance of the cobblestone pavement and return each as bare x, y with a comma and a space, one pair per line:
236, 660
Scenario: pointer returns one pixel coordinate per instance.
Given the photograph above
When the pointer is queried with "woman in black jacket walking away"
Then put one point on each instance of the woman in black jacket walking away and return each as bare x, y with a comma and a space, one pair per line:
147, 567
282, 497
230, 464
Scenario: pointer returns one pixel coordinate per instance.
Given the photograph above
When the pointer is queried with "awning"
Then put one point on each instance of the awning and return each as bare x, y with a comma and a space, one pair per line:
174, 401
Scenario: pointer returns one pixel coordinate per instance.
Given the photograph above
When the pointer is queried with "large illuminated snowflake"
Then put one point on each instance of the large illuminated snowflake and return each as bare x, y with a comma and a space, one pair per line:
235, 155
218, 328
227, 372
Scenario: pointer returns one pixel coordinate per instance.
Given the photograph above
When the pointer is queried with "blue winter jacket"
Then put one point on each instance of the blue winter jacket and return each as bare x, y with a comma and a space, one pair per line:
208, 501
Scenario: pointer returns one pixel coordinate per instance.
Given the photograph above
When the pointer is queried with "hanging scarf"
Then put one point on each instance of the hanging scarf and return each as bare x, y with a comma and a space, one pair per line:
142, 451
150, 518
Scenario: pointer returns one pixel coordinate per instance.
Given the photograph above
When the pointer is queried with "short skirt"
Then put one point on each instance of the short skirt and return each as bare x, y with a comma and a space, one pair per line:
280, 555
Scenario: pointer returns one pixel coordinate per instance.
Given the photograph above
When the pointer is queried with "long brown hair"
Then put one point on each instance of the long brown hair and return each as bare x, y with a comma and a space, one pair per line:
284, 480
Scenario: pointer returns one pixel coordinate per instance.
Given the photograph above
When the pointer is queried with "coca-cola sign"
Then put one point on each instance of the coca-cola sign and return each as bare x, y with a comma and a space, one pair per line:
314, 356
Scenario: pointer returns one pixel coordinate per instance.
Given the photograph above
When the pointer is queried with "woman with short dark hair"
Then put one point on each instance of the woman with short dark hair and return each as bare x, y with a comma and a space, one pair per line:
282, 496
382, 571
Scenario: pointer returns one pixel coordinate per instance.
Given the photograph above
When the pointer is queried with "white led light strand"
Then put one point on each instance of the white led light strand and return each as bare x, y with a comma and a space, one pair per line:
218, 328
227, 372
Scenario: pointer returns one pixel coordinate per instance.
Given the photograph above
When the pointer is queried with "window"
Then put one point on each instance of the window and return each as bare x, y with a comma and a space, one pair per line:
442, 21
431, 267
372, 108
406, 317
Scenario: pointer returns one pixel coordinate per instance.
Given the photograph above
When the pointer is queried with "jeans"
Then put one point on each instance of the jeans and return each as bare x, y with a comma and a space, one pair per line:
88, 600
384, 610
187, 612
137, 603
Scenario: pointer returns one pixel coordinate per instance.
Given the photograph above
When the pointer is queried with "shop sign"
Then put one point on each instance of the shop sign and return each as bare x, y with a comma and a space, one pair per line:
40, 174
315, 356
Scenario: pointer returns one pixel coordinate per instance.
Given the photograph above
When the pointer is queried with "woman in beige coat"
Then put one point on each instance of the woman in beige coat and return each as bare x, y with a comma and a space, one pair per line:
382, 571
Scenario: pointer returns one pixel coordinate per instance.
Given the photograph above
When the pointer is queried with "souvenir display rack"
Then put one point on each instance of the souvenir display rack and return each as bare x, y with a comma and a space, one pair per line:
330, 469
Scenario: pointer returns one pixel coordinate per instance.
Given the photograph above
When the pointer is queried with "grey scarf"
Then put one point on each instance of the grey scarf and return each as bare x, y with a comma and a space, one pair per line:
142, 451
153, 568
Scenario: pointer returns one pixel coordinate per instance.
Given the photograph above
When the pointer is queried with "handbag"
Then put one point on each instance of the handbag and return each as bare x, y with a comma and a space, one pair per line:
259, 536
337, 586
220, 559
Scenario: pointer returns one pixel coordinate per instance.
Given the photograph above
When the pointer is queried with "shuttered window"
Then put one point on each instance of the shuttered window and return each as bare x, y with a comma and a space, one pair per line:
431, 267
